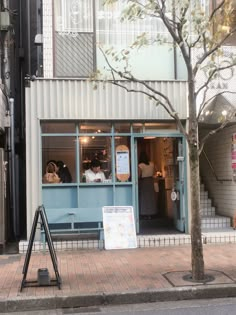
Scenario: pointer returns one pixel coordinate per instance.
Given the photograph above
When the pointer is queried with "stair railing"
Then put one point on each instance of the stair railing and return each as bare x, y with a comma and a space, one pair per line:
213, 170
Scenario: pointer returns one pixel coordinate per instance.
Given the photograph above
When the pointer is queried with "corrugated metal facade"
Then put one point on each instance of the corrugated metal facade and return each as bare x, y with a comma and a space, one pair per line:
76, 99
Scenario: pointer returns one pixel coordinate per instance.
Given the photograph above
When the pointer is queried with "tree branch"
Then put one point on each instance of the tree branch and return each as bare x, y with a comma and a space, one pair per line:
213, 14
216, 70
211, 51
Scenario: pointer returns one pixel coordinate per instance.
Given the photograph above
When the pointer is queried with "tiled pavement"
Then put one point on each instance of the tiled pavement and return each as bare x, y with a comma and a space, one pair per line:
92, 272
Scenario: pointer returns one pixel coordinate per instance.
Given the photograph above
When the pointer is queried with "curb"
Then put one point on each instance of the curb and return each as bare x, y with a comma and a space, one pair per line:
134, 297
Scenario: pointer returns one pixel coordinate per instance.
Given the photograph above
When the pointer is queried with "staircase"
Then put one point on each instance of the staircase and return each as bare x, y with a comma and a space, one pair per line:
209, 220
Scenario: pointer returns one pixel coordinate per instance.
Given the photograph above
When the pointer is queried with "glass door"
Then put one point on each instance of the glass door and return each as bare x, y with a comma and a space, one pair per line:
135, 172
178, 193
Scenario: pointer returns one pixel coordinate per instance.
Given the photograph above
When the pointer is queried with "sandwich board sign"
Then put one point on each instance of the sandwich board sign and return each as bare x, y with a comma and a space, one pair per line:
119, 227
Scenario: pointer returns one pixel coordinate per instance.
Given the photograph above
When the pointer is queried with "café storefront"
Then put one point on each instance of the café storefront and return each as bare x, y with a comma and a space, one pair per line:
67, 120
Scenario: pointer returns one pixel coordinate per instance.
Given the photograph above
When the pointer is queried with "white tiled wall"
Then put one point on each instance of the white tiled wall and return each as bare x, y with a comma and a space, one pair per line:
47, 39
223, 193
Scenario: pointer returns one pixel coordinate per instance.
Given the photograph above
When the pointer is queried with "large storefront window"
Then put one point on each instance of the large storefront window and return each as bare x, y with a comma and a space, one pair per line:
76, 147
100, 149
102, 159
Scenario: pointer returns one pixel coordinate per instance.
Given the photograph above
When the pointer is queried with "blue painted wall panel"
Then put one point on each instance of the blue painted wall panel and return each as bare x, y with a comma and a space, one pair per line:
60, 197
95, 196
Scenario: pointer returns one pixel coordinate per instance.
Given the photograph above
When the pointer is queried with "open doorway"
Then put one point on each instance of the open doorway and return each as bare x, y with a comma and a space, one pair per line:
164, 152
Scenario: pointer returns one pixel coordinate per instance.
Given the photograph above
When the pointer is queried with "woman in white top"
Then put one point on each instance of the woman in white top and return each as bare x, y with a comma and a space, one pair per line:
94, 174
147, 195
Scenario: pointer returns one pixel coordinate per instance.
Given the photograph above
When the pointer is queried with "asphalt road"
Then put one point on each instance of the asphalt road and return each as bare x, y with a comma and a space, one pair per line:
194, 307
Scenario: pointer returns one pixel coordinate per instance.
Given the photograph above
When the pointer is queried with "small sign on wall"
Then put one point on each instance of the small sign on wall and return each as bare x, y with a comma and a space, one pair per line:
233, 151
119, 227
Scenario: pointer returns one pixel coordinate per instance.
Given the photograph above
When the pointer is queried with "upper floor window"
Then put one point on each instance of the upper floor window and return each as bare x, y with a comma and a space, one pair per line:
74, 38
112, 31
231, 41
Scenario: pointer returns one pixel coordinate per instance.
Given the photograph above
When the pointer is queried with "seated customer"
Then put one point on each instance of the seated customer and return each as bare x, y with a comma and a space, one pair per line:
63, 172
94, 174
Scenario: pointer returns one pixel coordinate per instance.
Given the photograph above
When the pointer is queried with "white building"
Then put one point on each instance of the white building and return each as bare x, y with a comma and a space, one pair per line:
68, 119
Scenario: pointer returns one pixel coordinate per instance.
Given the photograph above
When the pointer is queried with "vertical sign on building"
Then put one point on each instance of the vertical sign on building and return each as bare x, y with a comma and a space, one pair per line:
233, 155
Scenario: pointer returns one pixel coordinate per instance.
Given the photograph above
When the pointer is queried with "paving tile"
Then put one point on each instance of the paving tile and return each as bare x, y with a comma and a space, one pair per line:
100, 271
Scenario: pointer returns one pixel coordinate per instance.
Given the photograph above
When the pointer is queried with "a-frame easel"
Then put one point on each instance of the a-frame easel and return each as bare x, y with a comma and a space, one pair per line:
40, 212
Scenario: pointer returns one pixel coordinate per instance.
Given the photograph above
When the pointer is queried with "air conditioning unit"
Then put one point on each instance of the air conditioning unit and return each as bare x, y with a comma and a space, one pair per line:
4, 21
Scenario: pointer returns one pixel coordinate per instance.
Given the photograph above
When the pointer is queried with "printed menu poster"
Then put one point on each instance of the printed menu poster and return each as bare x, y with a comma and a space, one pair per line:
119, 227
122, 162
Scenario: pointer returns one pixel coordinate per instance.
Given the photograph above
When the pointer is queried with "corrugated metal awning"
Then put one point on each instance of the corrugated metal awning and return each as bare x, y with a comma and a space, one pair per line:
78, 99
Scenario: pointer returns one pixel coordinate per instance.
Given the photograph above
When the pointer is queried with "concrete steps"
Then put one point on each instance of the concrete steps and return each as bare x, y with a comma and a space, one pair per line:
209, 220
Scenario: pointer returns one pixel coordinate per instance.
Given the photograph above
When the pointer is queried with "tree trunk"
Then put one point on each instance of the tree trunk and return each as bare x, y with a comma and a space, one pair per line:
196, 239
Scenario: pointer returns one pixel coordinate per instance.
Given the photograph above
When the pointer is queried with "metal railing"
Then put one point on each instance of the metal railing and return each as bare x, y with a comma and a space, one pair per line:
213, 170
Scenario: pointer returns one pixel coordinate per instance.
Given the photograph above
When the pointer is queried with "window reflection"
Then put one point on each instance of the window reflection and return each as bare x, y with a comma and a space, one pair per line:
138, 127
158, 126
97, 128
57, 127
122, 127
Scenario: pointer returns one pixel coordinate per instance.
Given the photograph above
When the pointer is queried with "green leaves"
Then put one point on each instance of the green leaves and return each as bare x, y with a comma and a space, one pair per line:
108, 2
141, 40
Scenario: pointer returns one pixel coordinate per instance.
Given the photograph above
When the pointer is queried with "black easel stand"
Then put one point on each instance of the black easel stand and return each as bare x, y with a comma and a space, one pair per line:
57, 281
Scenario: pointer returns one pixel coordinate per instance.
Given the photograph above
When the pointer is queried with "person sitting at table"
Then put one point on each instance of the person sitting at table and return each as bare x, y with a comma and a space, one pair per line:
95, 174
63, 172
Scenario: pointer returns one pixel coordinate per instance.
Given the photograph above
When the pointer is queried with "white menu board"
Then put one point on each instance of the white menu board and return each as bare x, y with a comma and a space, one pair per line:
119, 227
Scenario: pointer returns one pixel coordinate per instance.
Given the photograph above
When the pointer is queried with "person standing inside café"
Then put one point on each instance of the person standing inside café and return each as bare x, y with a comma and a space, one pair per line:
147, 195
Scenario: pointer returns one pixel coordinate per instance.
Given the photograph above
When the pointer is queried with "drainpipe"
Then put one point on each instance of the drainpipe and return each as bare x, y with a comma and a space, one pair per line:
28, 37
174, 48
6, 65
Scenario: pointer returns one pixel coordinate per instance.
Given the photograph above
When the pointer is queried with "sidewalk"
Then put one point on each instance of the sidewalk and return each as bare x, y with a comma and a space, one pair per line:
95, 277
